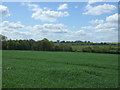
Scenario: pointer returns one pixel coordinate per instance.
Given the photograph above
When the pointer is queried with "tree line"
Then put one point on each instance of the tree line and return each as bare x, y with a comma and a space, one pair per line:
78, 42
41, 45
46, 45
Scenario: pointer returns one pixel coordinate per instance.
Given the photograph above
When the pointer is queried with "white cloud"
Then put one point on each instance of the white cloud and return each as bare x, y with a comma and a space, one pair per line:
94, 1
100, 9
12, 33
111, 23
76, 7
46, 8
81, 32
107, 26
102, 27
46, 14
4, 11
112, 18
97, 21
88, 27
50, 16
105, 31
51, 28
11, 24
63, 6
16, 30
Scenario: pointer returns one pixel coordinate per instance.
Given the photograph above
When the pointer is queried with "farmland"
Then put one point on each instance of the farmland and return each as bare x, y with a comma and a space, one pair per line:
45, 69
97, 48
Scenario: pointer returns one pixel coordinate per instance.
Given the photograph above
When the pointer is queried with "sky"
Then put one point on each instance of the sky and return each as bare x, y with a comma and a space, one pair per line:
69, 21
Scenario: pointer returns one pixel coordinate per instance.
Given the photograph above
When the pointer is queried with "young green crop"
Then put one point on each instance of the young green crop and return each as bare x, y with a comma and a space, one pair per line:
38, 69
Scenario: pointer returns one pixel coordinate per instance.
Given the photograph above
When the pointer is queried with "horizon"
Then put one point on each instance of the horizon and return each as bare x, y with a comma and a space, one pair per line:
68, 21
63, 40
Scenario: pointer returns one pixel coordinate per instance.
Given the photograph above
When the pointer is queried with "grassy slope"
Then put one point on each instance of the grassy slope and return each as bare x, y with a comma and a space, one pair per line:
35, 69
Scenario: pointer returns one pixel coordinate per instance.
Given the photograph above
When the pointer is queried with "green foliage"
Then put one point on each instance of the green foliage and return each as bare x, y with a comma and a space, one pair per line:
42, 45
37, 69
87, 49
46, 45
113, 49
63, 47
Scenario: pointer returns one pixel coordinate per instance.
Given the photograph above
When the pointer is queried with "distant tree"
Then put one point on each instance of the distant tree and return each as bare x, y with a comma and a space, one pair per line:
43, 45
62, 42
63, 47
87, 49
47, 45
10, 45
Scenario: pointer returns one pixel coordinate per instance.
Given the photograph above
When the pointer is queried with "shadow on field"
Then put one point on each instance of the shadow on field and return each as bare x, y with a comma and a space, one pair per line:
79, 64
88, 65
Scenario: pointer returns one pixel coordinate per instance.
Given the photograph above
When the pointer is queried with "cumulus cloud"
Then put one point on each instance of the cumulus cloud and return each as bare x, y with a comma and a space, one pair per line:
13, 33
88, 27
113, 18
80, 32
102, 27
51, 28
100, 9
107, 30
4, 11
94, 1
11, 24
109, 24
63, 6
96, 21
16, 30
50, 16
45, 14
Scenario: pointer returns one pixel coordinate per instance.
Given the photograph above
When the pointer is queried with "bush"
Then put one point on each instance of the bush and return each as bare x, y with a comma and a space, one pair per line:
87, 49
63, 47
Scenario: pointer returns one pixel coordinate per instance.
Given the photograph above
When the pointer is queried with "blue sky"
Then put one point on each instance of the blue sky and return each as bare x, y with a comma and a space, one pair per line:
60, 21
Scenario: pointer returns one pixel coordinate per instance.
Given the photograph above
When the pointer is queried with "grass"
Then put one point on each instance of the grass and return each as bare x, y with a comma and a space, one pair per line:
37, 69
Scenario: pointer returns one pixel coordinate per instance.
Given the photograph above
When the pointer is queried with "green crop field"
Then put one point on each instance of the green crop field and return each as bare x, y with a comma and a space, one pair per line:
38, 69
